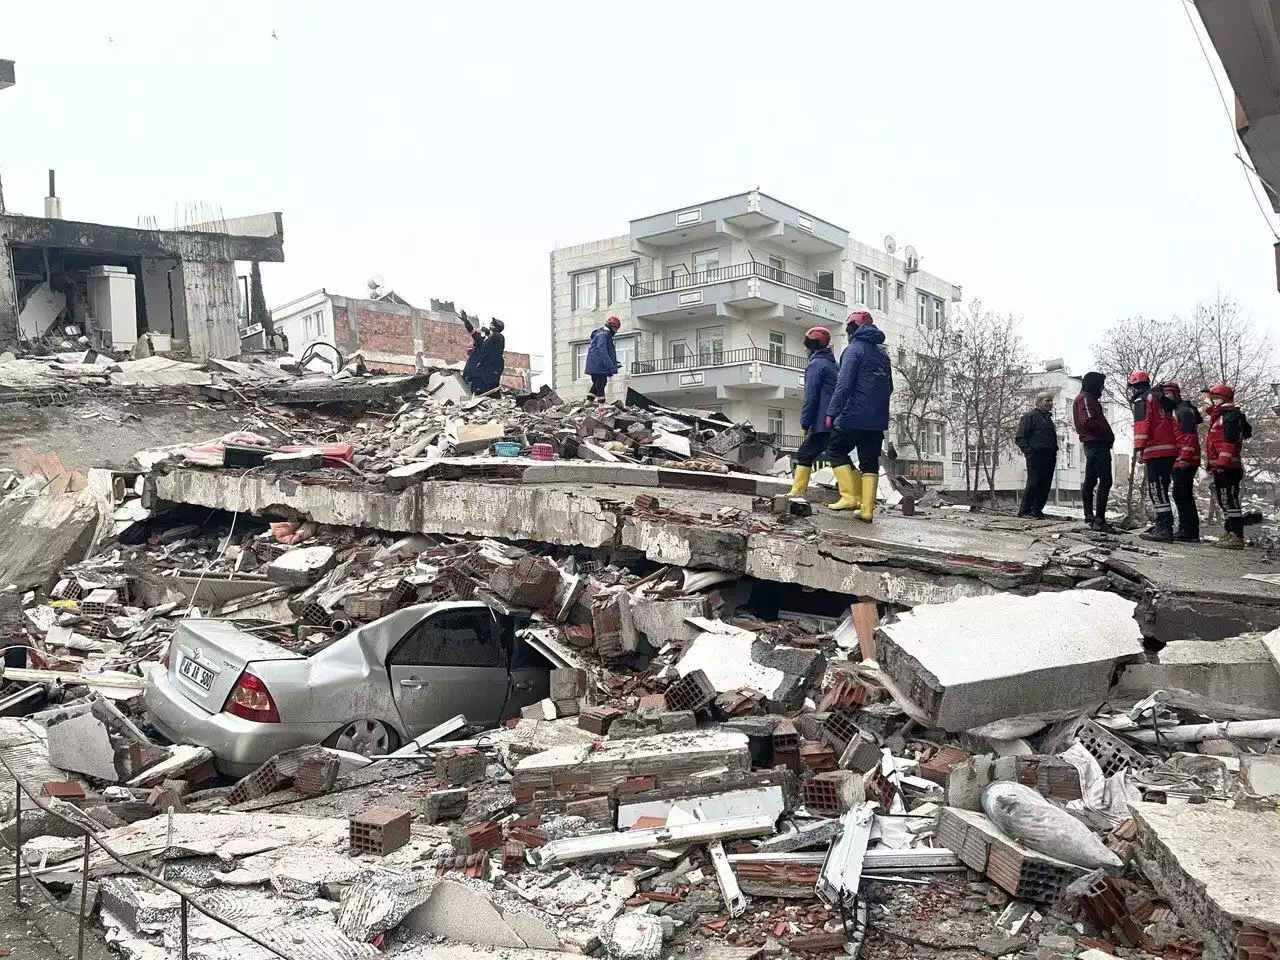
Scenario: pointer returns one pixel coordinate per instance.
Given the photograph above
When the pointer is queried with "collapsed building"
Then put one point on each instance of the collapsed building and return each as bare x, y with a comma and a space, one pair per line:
723, 723
64, 280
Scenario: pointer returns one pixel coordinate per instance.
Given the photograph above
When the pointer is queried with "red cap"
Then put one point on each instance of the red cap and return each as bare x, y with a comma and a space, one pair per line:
613, 323
819, 335
859, 317
1173, 385
1222, 390
1139, 376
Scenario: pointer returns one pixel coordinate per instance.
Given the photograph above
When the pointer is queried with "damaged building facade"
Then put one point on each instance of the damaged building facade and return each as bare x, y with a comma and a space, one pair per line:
115, 284
390, 334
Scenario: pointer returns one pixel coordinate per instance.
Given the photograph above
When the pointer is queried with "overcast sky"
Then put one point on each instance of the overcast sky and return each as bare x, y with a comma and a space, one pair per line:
1070, 162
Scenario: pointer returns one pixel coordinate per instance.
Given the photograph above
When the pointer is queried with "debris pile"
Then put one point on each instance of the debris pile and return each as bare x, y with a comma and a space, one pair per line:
348, 738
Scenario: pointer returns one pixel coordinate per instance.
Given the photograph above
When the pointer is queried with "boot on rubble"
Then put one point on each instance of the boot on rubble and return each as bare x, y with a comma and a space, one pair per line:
868, 508
847, 482
1230, 541
800, 482
1161, 531
1184, 535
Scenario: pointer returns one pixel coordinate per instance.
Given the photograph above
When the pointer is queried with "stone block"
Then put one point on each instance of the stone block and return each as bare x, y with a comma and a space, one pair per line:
567, 684
460, 766
1054, 651
1237, 671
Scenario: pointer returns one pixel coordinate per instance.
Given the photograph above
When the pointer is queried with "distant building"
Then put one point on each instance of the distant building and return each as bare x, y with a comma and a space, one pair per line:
715, 299
387, 331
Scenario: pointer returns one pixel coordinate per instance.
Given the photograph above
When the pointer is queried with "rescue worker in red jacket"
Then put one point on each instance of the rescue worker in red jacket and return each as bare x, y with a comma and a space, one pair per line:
1228, 429
1188, 419
1155, 440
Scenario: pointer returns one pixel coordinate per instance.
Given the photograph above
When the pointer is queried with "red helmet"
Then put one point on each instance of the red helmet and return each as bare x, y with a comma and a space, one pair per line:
1173, 385
1139, 376
819, 335
1223, 391
613, 323
859, 317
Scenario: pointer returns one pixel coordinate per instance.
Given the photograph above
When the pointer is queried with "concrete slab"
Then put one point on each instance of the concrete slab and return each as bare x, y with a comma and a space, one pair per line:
1198, 592
43, 534
1236, 671
1219, 868
980, 659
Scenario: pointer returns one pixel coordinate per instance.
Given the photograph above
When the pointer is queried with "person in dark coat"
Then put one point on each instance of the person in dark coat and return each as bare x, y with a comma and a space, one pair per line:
819, 386
1037, 438
1185, 466
492, 359
473, 353
859, 415
602, 358
1096, 440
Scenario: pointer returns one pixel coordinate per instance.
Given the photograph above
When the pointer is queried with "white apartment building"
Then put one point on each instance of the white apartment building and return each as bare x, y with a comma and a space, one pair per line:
1011, 473
715, 298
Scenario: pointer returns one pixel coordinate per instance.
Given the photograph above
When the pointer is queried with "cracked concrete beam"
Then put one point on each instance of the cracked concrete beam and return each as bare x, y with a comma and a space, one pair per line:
686, 545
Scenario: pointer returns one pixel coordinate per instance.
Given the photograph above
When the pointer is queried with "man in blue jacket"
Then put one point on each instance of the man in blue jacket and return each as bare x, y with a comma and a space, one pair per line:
819, 385
602, 359
859, 415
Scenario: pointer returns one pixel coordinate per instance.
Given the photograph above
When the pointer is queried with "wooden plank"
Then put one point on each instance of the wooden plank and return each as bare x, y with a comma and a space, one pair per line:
865, 620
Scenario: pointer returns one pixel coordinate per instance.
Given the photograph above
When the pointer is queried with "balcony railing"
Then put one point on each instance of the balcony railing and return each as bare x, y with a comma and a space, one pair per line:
737, 271
718, 358
788, 441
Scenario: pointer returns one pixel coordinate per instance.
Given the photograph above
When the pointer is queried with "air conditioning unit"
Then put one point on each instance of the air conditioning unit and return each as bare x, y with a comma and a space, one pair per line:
913, 259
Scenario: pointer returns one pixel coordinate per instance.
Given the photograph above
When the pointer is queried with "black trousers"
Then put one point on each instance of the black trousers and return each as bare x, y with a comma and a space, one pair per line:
1226, 487
1184, 498
1097, 474
598, 380
811, 448
1159, 476
1040, 465
867, 443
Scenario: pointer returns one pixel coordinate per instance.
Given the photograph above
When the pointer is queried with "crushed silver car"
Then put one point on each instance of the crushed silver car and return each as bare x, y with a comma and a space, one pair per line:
247, 698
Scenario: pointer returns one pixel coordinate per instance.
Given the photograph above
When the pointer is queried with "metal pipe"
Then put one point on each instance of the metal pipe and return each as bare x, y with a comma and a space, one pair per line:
183, 917
17, 827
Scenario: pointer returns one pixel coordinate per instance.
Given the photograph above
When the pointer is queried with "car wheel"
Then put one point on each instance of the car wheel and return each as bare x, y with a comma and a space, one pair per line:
368, 738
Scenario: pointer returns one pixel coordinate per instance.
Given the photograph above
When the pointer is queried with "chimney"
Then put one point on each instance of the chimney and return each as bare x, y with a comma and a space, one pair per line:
52, 205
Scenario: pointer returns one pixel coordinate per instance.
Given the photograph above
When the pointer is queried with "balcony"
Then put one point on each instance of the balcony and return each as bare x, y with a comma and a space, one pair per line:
735, 288
746, 368
755, 217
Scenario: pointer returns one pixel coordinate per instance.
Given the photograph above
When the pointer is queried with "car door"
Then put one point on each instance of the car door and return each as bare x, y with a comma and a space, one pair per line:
449, 663
530, 672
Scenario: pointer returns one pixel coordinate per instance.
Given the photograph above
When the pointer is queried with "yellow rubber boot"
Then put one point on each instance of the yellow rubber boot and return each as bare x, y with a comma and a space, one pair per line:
847, 483
800, 483
868, 508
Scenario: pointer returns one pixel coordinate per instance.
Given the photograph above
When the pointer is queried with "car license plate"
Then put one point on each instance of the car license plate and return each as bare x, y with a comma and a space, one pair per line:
201, 676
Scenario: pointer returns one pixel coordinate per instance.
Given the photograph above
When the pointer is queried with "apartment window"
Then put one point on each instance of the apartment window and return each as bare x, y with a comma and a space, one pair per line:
706, 260
877, 292
313, 325
620, 281
957, 456
862, 285
580, 360
777, 346
937, 314
679, 352
988, 458
778, 266
625, 349
774, 416
584, 291
899, 290
711, 345
923, 309
933, 438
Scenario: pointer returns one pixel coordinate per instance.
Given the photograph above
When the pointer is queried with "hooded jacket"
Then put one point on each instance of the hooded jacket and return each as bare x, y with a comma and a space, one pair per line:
602, 358
1188, 419
1228, 429
1155, 431
865, 383
491, 362
1090, 419
819, 386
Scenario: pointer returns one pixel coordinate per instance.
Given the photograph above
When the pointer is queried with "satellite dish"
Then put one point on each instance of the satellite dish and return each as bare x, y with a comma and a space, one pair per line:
375, 282
890, 244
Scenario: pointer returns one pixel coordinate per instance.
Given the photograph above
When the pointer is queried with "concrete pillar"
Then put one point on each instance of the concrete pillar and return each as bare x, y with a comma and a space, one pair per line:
209, 296
8, 299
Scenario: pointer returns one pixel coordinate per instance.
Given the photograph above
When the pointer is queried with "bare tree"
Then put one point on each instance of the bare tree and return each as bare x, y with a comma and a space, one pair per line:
1223, 345
1139, 343
920, 386
988, 389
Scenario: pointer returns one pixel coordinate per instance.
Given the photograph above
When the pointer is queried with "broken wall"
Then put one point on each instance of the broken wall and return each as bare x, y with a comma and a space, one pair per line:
209, 300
